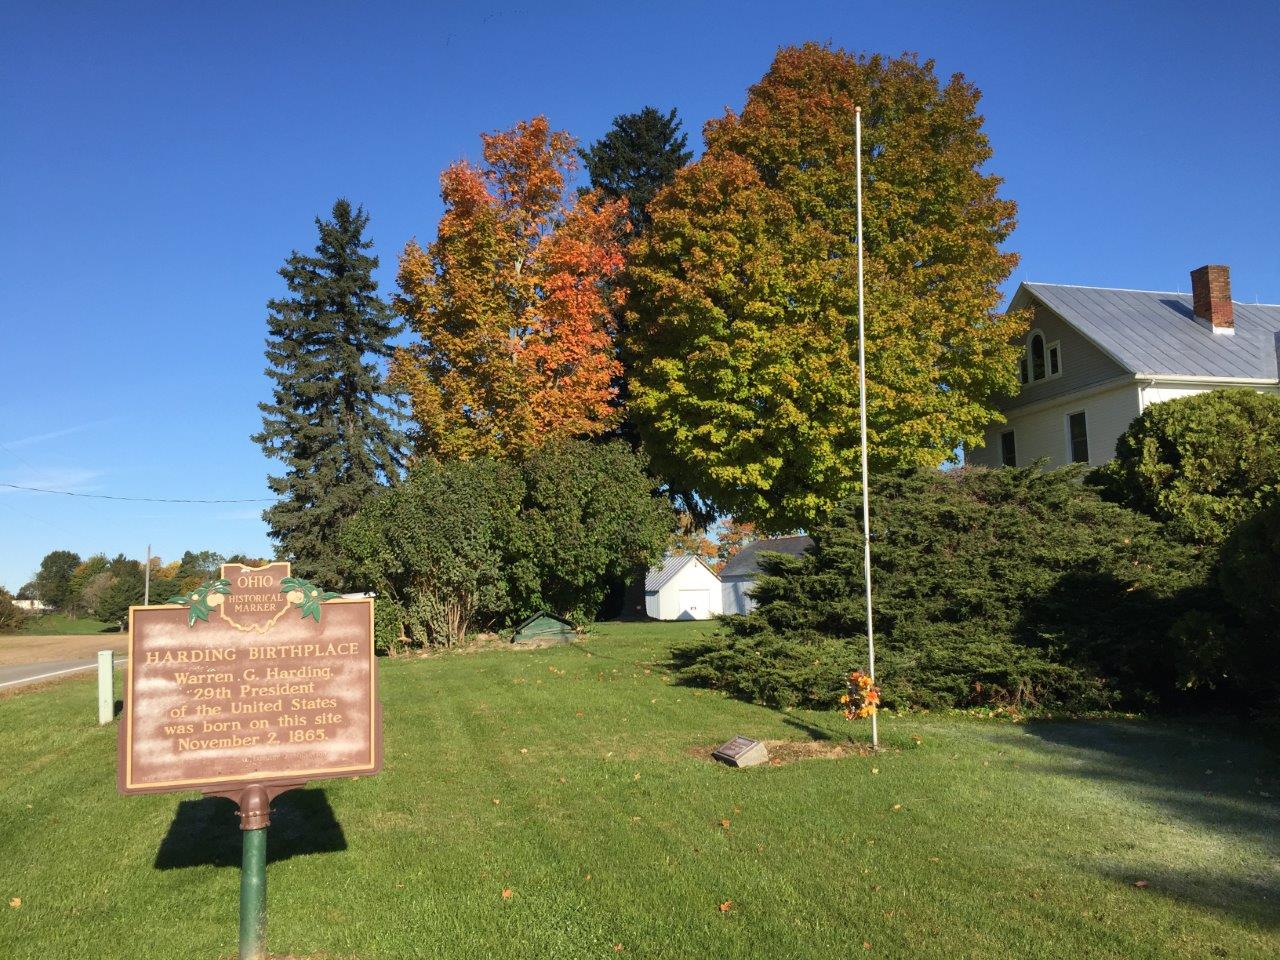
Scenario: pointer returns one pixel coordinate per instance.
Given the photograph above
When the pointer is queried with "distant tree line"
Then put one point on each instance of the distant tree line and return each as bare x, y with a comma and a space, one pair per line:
104, 588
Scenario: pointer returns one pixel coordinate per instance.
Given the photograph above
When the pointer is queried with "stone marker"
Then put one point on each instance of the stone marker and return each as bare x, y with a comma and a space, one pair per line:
244, 688
741, 752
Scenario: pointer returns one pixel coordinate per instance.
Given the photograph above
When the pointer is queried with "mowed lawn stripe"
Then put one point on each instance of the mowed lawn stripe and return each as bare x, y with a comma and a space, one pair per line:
1011, 841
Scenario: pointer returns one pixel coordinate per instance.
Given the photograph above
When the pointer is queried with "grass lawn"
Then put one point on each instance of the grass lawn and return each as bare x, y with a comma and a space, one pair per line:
565, 777
50, 624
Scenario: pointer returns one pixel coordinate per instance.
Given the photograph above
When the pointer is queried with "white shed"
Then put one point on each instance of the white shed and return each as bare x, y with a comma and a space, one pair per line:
683, 588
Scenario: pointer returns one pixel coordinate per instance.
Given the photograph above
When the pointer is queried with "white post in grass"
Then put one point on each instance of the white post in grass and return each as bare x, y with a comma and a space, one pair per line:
106, 687
862, 416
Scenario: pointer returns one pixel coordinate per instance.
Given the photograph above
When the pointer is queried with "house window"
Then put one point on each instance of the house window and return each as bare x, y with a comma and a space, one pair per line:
1078, 437
1022, 369
1055, 359
1037, 357
1008, 451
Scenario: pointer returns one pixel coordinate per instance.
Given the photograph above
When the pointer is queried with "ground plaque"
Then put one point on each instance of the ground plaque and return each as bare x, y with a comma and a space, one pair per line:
246, 687
741, 752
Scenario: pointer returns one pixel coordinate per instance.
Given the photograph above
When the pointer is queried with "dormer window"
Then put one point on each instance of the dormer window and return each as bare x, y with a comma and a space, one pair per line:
1037, 357
1040, 360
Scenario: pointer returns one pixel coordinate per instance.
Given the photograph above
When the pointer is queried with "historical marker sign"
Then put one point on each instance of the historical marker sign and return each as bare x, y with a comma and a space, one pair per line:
258, 678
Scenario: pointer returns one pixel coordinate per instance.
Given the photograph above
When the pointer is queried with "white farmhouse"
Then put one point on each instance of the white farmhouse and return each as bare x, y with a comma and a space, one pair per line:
1095, 358
683, 588
739, 575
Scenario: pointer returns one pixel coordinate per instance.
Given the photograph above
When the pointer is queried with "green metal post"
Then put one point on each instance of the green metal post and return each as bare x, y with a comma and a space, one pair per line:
255, 816
253, 895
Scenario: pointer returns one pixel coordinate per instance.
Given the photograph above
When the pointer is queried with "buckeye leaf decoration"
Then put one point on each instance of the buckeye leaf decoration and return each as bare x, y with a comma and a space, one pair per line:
305, 595
201, 601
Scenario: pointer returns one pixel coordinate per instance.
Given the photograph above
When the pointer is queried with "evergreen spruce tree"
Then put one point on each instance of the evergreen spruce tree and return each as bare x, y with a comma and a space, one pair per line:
331, 420
638, 157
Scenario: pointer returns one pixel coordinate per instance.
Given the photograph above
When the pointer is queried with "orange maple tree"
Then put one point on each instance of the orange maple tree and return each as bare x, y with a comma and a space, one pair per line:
734, 535
512, 303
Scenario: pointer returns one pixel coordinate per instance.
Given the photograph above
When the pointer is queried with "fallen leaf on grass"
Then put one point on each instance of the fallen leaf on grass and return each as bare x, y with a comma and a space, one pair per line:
496, 801
726, 906
506, 893
15, 902
617, 947
866, 944
875, 769
725, 824
1140, 884
897, 806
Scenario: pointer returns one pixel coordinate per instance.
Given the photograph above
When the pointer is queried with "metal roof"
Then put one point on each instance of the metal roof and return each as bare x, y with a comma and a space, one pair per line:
658, 577
746, 562
1148, 332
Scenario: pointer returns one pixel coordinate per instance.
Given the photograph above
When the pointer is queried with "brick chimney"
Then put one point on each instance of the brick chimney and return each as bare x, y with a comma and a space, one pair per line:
1211, 297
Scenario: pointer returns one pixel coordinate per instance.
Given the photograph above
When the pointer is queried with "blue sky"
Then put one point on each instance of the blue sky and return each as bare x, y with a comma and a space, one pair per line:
158, 162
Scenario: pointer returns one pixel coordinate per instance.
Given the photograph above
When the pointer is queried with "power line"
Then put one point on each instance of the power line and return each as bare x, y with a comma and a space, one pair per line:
22, 460
106, 496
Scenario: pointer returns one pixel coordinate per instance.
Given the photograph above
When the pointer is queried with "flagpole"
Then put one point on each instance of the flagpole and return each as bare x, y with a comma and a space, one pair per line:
862, 416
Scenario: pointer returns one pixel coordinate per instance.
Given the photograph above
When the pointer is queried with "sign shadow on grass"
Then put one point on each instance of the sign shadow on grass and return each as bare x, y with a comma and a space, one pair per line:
206, 832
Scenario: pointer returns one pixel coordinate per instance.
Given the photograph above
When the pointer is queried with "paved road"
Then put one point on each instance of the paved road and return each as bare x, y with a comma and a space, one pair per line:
21, 674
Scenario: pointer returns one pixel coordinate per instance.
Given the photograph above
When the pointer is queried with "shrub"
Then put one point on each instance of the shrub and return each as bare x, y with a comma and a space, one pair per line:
990, 586
11, 615
437, 546
388, 627
477, 544
591, 515
1201, 463
1249, 576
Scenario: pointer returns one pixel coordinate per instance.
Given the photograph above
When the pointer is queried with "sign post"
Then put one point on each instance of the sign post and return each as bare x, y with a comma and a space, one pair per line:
253, 875
106, 687
248, 686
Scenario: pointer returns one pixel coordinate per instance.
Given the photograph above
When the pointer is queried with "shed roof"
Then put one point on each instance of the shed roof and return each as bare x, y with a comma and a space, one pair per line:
1149, 332
746, 562
658, 577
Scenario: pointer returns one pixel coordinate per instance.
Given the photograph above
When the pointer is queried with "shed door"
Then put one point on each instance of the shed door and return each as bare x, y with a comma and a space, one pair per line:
695, 603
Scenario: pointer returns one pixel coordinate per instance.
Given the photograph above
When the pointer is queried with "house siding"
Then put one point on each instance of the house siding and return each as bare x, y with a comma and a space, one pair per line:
1083, 364
737, 594
1158, 391
1042, 432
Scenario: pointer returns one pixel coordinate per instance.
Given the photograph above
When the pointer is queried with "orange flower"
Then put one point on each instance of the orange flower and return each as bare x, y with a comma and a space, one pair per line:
862, 697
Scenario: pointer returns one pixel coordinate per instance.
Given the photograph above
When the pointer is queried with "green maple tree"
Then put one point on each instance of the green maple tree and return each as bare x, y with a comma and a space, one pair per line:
742, 322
